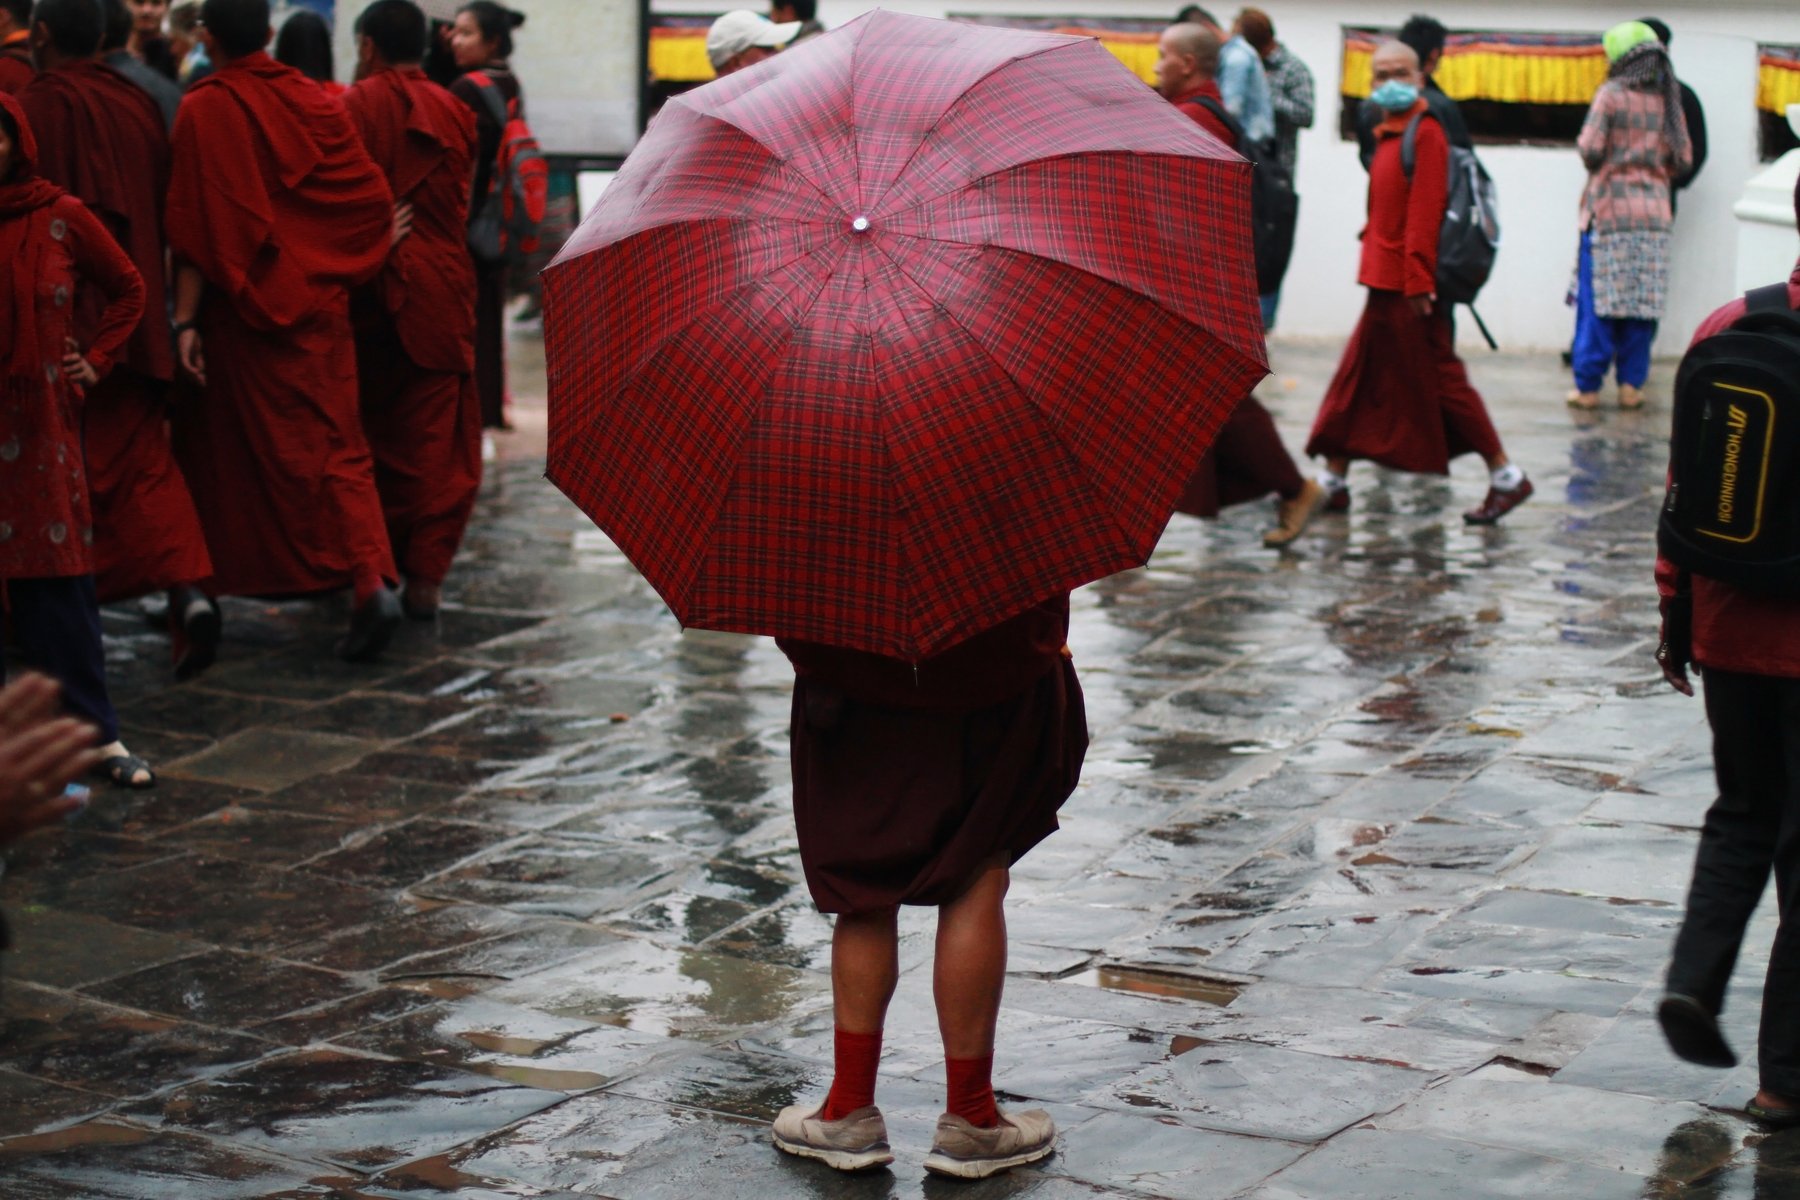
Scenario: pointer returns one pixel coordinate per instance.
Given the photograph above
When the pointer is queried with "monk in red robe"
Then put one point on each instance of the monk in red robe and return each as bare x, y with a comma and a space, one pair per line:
1401, 397
275, 212
1247, 460
103, 142
54, 249
16, 67
415, 337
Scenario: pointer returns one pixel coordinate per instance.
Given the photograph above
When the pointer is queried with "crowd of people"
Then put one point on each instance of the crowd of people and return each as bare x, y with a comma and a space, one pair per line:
249, 351
249, 348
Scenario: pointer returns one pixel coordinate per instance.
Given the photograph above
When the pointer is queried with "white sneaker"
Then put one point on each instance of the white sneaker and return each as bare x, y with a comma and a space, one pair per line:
853, 1143
971, 1152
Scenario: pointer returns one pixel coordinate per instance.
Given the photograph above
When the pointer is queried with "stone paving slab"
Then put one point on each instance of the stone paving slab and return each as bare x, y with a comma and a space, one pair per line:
1366, 890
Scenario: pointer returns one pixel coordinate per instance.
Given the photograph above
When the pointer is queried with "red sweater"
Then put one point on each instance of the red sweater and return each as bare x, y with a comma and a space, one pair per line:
1399, 244
1189, 103
1736, 630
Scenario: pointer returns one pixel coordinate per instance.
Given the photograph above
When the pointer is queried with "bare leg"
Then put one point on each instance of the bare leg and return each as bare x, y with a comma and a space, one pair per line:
1338, 466
1498, 461
865, 965
970, 969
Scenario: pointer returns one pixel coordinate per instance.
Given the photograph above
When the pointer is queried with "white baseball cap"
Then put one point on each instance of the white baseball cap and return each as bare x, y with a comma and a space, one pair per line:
737, 31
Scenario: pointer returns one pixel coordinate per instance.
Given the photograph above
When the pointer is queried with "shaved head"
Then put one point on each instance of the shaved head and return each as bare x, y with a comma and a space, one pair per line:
74, 26
1397, 53
1187, 57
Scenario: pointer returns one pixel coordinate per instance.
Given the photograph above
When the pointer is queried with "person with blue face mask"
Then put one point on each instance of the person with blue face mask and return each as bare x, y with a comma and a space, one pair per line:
1401, 397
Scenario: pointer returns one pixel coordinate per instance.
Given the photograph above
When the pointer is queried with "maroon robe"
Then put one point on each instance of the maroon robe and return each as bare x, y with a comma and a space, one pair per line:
1401, 397
103, 140
54, 249
15, 63
910, 778
276, 203
416, 321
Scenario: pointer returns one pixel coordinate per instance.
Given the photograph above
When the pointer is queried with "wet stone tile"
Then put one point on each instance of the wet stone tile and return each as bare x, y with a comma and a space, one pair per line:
173, 803
360, 1112
360, 796
1158, 1159
1367, 1165
79, 1043
404, 854
194, 711
441, 769
227, 902
109, 1160
259, 835
297, 673
402, 935
525, 949
381, 716
269, 759
336, 1020
63, 949
224, 987
28, 1104
570, 878
45, 867
1261, 1091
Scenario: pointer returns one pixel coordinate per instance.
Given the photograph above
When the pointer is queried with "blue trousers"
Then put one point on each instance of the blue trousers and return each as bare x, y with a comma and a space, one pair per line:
58, 626
1603, 343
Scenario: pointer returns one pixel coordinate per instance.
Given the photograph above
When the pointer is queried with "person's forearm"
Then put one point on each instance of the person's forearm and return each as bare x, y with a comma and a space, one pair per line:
190, 287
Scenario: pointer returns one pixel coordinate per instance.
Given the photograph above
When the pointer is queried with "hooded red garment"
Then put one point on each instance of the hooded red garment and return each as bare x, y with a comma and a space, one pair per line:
104, 140
275, 202
416, 322
52, 245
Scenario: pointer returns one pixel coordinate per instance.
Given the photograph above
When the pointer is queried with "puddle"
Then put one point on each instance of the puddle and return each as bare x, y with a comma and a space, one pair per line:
1158, 981
500, 1043
93, 1133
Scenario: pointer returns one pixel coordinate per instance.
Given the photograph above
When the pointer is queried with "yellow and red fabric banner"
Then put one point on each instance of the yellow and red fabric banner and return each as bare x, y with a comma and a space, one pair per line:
1513, 68
1778, 78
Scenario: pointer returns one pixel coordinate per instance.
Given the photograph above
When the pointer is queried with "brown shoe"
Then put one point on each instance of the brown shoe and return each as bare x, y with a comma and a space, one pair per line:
1291, 516
854, 1143
1499, 502
970, 1152
1337, 500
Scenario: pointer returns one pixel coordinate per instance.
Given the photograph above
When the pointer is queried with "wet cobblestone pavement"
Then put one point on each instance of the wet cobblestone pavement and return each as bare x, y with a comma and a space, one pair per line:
1366, 891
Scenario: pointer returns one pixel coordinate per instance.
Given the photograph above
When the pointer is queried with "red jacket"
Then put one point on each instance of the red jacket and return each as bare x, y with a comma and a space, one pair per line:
1399, 244
1736, 630
1190, 104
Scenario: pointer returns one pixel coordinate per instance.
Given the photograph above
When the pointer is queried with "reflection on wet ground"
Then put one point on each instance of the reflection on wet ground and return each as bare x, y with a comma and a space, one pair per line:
1366, 892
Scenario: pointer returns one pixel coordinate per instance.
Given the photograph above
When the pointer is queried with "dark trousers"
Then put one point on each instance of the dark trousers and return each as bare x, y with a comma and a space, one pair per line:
490, 343
57, 622
1751, 831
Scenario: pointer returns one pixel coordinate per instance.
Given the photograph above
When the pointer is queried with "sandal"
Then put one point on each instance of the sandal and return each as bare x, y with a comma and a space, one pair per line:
1630, 398
122, 771
1775, 1118
1585, 401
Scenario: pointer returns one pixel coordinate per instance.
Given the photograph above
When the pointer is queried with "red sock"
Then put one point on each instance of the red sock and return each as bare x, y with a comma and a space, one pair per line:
857, 1056
971, 1082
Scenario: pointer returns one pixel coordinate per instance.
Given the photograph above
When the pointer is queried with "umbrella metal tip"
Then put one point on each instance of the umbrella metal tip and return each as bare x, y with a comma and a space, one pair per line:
860, 224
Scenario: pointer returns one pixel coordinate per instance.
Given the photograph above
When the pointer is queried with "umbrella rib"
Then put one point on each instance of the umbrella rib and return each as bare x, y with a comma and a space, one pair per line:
962, 185
957, 103
773, 153
1112, 518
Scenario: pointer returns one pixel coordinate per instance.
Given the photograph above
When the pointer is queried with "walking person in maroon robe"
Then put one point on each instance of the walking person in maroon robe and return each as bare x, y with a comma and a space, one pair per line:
103, 141
1247, 460
275, 212
53, 249
16, 67
415, 336
1401, 397
922, 783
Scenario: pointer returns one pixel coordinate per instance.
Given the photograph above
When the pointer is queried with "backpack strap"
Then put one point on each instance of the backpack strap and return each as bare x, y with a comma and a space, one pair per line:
1409, 142
1225, 118
489, 91
1773, 298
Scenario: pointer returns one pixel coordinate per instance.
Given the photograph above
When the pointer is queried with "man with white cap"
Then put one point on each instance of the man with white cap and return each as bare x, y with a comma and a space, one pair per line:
742, 39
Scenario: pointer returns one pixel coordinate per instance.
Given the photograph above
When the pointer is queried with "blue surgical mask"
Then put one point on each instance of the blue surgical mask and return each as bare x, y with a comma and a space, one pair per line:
1395, 96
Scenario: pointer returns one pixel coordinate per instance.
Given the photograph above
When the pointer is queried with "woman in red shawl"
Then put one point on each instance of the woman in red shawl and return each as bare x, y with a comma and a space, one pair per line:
52, 245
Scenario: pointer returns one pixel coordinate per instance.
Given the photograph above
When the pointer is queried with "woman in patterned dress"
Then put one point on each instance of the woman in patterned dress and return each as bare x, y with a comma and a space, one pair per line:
1633, 143
50, 245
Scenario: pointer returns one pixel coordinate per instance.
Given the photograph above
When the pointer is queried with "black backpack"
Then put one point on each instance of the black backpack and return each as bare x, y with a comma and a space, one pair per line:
1732, 512
1469, 240
1273, 203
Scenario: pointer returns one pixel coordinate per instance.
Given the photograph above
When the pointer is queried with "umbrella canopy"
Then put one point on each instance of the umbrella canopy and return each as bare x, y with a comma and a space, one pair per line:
893, 335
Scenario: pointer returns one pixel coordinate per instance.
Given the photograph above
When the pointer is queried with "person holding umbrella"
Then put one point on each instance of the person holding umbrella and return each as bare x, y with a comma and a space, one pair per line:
838, 359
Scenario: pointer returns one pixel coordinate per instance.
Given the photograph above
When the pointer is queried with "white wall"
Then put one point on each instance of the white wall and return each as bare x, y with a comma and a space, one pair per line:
1714, 50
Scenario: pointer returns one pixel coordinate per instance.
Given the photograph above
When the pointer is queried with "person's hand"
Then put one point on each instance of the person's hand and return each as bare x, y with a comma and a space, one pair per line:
40, 753
75, 367
1421, 305
192, 354
403, 219
1674, 667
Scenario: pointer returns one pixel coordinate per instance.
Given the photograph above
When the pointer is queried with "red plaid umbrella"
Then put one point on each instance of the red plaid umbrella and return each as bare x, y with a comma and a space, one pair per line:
895, 334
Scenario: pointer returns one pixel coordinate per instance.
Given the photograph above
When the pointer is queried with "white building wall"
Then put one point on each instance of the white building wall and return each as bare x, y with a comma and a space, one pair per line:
1714, 50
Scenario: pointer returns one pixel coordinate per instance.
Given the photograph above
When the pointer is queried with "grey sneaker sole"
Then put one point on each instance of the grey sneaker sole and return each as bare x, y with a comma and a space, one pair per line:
877, 1155
939, 1163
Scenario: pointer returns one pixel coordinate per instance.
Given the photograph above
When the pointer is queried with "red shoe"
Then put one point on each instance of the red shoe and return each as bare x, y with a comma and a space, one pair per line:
1499, 502
1337, 500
